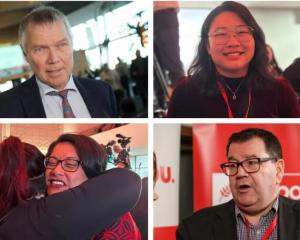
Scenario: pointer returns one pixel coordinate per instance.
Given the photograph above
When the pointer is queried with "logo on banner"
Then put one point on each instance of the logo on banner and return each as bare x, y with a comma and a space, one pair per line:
165, 174
290, 186
220, 189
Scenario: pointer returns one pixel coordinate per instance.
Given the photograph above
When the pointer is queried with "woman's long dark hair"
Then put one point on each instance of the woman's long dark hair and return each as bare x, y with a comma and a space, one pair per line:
35, 170
202, 70
14, 187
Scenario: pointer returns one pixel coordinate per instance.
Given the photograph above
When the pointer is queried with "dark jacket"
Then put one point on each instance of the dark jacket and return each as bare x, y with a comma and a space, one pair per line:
278, 101
75, 214
24, 101
218, 223
292, 73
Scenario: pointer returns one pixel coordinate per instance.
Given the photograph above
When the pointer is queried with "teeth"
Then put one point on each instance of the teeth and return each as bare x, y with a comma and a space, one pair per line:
233, 54
57, 182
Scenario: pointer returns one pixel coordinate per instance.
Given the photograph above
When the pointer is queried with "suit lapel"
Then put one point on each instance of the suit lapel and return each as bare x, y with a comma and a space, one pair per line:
95, 109
289, 220
31, 99
224, 226
225, 223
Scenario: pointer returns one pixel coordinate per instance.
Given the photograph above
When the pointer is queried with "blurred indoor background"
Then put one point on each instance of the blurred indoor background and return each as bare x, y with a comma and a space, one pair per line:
107, 37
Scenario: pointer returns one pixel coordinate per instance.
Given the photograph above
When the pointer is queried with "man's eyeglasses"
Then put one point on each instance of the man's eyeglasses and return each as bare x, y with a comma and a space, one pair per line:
68, 164
222, 35
250, 165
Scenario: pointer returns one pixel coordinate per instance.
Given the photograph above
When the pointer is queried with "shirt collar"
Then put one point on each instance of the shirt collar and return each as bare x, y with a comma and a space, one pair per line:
44, 88
274, 208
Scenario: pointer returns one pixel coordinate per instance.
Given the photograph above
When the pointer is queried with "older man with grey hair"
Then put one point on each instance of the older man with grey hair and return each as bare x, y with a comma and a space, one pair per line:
46, 40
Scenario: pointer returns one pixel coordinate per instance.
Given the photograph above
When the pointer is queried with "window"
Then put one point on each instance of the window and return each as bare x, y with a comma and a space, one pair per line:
111, 35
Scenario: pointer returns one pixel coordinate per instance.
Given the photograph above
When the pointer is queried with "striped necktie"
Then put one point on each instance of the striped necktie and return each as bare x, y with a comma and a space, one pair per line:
67, 110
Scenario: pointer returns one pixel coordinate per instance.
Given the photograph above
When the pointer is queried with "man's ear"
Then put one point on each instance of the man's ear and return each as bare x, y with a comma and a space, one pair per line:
279, 170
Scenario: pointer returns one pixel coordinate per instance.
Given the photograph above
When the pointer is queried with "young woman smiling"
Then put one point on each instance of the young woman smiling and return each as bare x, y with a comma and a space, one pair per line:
229, 76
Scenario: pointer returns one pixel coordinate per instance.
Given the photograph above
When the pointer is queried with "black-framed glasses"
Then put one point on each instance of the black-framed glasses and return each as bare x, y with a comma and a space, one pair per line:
68, 164
250, 165
222, 35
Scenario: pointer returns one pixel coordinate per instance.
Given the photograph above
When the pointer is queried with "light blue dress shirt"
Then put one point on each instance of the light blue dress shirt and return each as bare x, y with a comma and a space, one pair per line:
53, 104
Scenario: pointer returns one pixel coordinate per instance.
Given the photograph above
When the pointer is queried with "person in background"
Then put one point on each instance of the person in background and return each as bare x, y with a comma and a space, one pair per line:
46, 40
13, 175
229, 76
273, 65
166, 41
73, 159
292, 73
35, 170
123, 71
139, 74
255, 169
21, 174
113, 79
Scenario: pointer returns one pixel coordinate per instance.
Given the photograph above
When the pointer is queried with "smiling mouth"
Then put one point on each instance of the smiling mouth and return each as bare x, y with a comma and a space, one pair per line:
56, 183
54, 71
233, 54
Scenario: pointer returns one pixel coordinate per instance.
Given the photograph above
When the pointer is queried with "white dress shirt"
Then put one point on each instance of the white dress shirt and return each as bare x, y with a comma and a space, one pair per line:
53, 104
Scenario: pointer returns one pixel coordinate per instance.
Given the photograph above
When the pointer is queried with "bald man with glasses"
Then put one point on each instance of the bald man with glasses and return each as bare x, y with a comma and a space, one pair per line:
255, 168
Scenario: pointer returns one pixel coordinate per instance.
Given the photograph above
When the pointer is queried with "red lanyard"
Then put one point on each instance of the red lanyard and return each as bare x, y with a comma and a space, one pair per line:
223, 93
269, 230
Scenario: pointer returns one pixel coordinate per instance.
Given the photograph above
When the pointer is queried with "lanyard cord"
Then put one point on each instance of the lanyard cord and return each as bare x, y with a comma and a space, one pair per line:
223, 93
269, 230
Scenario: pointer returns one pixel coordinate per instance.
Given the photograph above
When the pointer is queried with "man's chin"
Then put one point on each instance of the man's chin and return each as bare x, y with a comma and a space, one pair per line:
57, 82
247, 205
245, 200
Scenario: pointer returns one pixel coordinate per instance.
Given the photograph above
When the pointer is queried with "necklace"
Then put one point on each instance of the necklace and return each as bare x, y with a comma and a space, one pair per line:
224, 95
234, 97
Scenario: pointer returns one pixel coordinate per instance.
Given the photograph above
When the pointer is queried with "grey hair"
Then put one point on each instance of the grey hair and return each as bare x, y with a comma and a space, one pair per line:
41, 15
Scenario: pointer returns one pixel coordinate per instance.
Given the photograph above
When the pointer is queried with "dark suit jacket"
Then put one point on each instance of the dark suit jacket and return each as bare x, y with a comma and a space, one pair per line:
24, 101
218, 223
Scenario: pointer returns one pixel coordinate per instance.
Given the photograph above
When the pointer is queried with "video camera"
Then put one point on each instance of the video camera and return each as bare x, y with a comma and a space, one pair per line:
124, 141
122, 159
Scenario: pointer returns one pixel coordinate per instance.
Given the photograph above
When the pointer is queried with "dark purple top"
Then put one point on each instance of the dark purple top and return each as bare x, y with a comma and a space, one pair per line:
279, 101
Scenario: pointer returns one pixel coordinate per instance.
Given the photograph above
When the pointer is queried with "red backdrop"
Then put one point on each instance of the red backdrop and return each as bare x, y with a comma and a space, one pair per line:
209, 145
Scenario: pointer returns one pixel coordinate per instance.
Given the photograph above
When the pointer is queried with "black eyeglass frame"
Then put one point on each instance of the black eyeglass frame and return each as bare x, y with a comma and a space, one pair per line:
238, 164
79, 162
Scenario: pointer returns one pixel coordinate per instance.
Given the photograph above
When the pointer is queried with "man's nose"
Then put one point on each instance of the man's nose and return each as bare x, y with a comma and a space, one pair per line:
53, 56
241, 172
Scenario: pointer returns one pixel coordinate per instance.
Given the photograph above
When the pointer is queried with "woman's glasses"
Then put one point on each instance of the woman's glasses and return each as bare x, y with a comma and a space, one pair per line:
222, 35
68, 164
